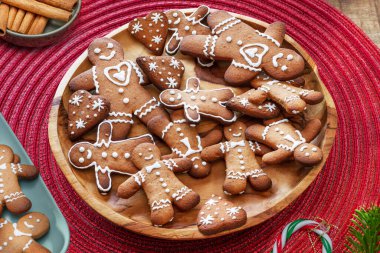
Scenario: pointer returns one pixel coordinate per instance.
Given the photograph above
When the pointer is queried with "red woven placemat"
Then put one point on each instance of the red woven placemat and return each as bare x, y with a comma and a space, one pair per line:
349, 64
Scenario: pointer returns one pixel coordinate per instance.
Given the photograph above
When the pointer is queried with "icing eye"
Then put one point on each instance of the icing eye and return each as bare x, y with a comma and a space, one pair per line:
240, 128
97, 50
290, 57
172, 92
38, 220
30, 217
81, 160
150, 149
175, 14
109, 45
284, 68
171, 99
140, 154
178, 129
230, 130
81, 149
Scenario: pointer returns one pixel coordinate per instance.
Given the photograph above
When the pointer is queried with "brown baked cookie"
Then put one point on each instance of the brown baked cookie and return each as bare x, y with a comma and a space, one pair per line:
250, 50
84, 112
280, 135
16, 158
260, 109
241, 163
196, 102
6, 154
160, 184
183, 25
292, 99
218, 215
106, 156
20, 237
184, 141
165, 72
151, 31
11, 194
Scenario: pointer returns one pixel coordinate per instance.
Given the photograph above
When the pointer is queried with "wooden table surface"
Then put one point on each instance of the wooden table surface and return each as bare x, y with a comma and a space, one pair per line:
364, 13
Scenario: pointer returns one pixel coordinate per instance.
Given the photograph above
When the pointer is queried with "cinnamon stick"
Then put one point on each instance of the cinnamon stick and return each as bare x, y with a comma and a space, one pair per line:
62, 4
38, 25
18, 19
11, 17
26, 22
4, 15
40, 9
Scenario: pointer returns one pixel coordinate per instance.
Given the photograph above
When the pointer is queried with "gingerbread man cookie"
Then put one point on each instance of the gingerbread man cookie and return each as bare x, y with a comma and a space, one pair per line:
184, 140
280, 135
84, 112
218, 215
196, 102
151, 31
20, 237
241, 163
182, 26
160, 184
106, 156
292, 99
258, 109
118, 80
250, 50
165, 72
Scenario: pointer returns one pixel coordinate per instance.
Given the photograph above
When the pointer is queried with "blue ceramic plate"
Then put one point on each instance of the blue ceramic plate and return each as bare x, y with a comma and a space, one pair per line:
57, 240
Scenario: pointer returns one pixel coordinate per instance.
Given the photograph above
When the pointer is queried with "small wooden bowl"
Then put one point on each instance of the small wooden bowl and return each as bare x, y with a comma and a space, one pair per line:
289, 179
55, 31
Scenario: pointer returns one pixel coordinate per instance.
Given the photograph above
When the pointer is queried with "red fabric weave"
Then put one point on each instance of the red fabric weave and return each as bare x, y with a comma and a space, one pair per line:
349, 64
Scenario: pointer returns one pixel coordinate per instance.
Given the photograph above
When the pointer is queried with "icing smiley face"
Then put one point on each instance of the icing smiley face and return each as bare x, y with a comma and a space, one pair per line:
35, 224
284, 64
81, 155
235, 132
104, 50
308, 154
145, 154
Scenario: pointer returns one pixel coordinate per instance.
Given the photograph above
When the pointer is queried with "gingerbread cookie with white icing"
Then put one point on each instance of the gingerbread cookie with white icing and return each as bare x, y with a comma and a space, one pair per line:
218, 215
287, 141
293, 99
106, 156
20, 237
165, 72
259, 109
84, 112
250, 50
151, 31
163, 189
241, 163
196, 102
119, 81
184, 141
182, 25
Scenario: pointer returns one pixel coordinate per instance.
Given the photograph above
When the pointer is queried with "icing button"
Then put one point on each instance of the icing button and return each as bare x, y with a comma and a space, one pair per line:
126, 100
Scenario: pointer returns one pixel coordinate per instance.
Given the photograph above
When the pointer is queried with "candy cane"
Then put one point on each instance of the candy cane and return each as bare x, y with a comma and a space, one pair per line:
301, 224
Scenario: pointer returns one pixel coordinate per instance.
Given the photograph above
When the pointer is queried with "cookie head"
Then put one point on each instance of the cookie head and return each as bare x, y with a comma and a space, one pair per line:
6, 154
308, 154
171, 97
105, 50
81, 155
36, 224
235, 131
285, 64
174, 17
145, 154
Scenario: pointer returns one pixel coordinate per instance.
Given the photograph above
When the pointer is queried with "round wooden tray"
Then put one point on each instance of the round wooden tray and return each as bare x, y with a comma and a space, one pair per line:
289, 179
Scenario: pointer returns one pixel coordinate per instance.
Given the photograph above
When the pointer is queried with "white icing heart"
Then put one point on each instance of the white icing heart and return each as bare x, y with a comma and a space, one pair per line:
254, 53
122, 75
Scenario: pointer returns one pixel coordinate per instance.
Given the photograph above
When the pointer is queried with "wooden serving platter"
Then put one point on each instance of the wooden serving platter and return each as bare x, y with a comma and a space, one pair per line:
289, 179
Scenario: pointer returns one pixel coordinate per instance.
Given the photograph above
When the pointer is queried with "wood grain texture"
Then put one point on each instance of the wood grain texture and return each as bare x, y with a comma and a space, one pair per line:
364, 13
289, 179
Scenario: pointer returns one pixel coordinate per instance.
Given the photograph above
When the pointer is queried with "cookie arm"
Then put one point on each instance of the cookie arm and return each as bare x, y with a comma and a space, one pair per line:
257, 96
26, 171
213, 137
276, 157
199, 13
33, 246
312, 128
277, 31
260, 149
180, 164
214, 152
83, 81
130, 186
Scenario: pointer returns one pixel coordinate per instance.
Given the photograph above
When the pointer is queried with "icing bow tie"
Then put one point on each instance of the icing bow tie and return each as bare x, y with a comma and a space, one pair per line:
237, 143
149, 169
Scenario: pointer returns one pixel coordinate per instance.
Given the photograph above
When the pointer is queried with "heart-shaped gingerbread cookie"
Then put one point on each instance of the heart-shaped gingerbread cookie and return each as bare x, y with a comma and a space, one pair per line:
85, 111
165, 72
218, 215
151, 31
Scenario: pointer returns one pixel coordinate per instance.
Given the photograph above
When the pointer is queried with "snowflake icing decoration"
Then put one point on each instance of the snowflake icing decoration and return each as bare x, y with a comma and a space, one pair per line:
232, 211
211, 202
174, 63
98, 104
76, 100
244, 102
172, 83
156, 17
137, 27
206, 220
153, 66
157, 39
80, 123
270, 107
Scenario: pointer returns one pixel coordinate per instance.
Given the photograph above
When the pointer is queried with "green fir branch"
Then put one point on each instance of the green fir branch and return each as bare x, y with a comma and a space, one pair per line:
364, 233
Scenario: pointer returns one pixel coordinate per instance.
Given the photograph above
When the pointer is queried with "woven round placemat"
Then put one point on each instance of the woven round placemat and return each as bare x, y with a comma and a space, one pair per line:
349, 65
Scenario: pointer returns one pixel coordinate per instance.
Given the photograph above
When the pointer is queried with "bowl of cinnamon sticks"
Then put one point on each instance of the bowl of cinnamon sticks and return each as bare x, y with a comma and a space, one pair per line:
36, 23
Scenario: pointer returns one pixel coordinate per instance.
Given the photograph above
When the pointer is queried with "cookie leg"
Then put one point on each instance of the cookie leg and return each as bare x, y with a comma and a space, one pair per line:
103, 180
120, 130
1, 208
276, 157
162, 212
234, 183
259, 180
16, 202
185, 198
237, 76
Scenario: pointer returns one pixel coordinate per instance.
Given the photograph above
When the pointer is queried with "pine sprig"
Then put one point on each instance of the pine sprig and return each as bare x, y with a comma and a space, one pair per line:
365, 231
